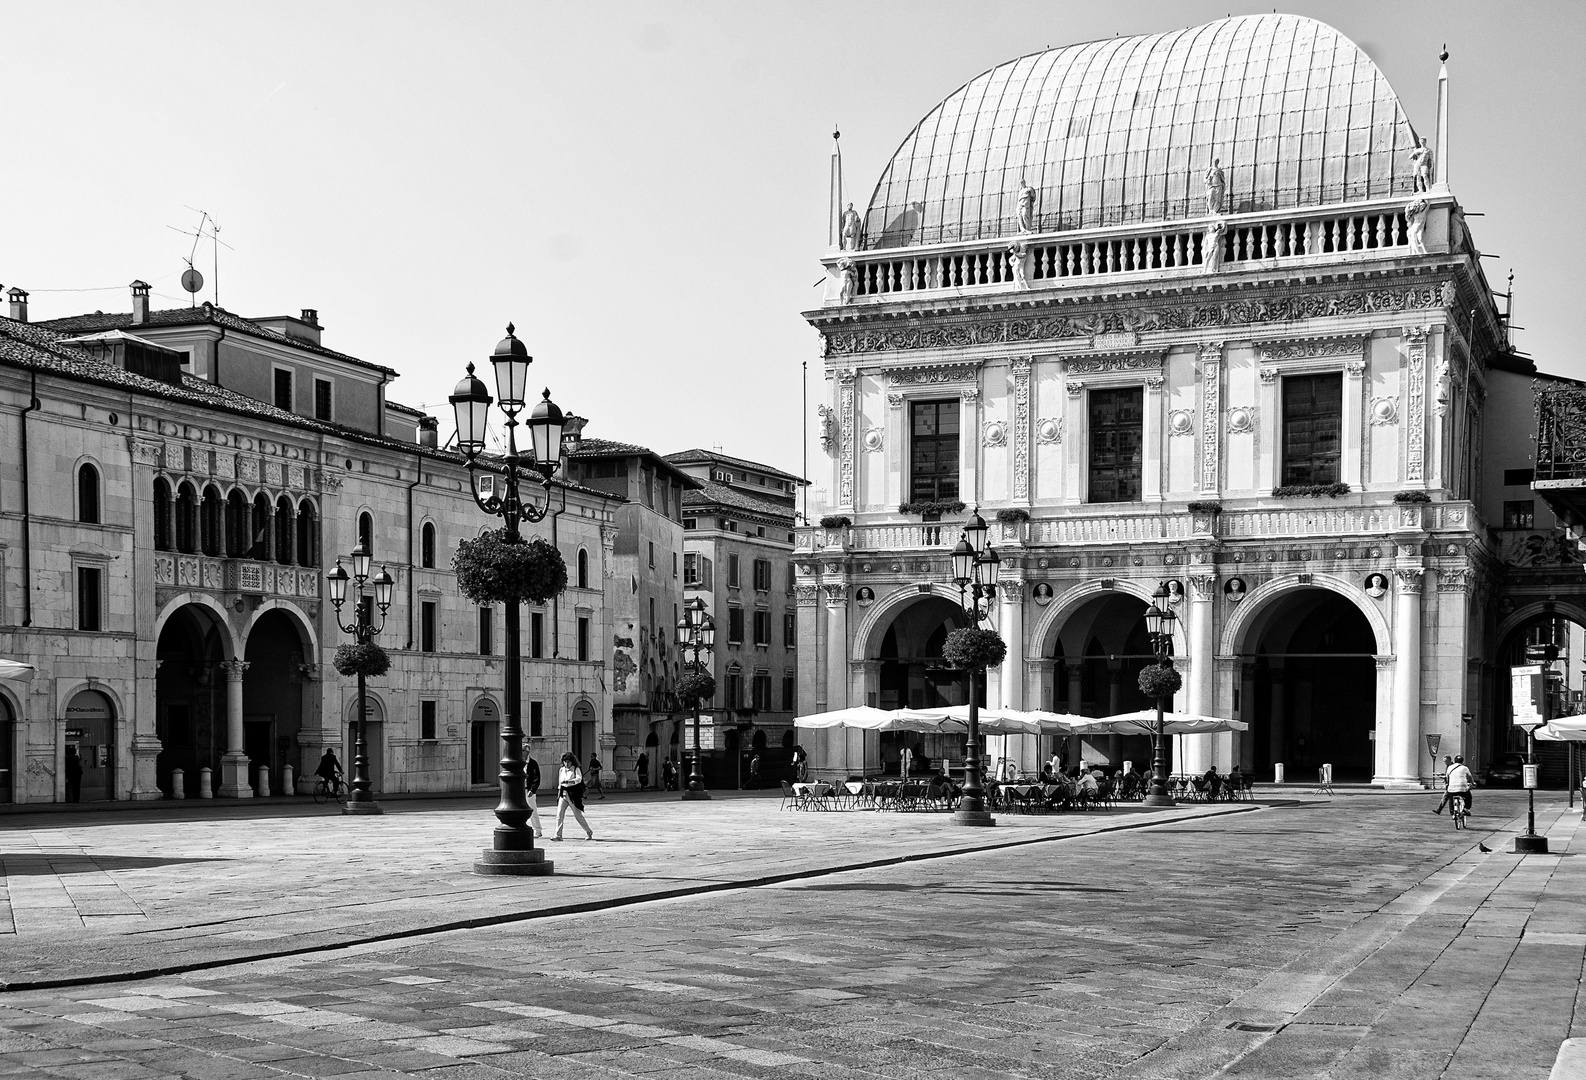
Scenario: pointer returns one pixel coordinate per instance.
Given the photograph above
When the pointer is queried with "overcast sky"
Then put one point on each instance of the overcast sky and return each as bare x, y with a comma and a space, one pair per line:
640, 187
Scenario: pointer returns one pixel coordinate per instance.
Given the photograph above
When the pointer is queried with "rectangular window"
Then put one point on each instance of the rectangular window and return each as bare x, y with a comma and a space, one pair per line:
690, 568
429, 616
487, 623
762, 575
427, 720
1518, 477
537, 635
1313, 414
583, 637
674, 564
707, 574
88, 613
652, 554
283, 389
789, 630
322, 399
690, 523
762, 691
1116, 444
789, 693
762, 629
735, 626
1519, 514
733, 691
536, 719
933, 451
733, 579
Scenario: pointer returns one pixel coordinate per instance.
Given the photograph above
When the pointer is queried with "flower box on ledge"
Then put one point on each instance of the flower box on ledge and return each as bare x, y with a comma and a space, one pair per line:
1204, 516
931, 510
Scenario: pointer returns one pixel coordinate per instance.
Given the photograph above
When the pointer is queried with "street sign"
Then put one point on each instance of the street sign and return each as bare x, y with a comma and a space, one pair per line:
1433, 741
1529, 776
1526, 695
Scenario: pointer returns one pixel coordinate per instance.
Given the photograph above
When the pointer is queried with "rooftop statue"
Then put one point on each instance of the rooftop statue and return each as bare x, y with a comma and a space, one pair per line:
848, 235
1216, 187
1212, 246
1016, 253
849, 280
1415, 218
1026, 208
1421, 162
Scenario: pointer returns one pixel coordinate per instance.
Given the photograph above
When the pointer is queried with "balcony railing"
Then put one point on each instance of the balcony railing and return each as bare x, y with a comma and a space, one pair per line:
1561, 434
234, 575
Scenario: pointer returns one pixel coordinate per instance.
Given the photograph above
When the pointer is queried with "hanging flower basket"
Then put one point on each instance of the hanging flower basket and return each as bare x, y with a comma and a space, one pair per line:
493, 570
368, 660
974, 649
1160, 681
696, 686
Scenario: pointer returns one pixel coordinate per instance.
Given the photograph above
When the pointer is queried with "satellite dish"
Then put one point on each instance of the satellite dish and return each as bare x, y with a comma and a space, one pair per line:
192, 280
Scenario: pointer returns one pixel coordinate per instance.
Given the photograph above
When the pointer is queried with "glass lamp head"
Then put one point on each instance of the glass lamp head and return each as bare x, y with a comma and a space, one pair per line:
471, 406
707, 632
545, 433
1153, 620
511, 360
963, 562
383, 586
975, 529
360, 562
337, 582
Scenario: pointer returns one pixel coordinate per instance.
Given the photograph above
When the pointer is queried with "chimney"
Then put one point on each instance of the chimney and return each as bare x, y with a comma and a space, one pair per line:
311, 316
140, 302
429, 431
19, 304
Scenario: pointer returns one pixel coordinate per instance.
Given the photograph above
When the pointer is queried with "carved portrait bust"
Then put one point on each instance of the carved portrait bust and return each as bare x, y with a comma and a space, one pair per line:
1376, 585
1043, 593
1234, 590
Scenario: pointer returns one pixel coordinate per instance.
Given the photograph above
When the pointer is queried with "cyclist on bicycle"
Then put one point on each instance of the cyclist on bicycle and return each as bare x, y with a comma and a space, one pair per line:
1458, 784
329, 770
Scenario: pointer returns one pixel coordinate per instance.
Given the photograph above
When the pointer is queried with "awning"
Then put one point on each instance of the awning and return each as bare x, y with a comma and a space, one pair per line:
1564, 729
11, 669
1143, 722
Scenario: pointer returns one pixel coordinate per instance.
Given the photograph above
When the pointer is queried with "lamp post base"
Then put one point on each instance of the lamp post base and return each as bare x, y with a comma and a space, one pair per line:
1158, 800
1530, 845
532, 863
696, 796
367, 807
974, 818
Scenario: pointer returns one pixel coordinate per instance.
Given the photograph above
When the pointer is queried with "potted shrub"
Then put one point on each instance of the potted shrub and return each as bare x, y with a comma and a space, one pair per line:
932, 509
1204, 514
1410, 503
1013, 519
496, 568
368, 660
836, 526
1310, 491
974, 649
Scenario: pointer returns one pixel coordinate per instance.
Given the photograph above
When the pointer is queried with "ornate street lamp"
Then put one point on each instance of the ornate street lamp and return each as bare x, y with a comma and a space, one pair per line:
360, 800
696, 634
512, 850
975, 569
1159, 622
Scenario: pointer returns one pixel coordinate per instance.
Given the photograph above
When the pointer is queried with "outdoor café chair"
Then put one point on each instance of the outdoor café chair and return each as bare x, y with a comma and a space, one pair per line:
791, 800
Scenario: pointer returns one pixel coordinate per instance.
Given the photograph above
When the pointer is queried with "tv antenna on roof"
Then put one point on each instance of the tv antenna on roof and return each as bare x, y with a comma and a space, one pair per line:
208, 228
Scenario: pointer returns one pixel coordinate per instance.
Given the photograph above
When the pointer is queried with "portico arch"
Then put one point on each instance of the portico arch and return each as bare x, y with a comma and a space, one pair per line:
873, 624
194, 640
217, 616
1256, 605
1047, 627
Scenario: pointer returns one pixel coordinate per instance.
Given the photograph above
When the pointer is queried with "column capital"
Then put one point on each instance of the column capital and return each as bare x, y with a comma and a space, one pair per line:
1409, 579
1202, 587
234, 669
836, 594
1383, 662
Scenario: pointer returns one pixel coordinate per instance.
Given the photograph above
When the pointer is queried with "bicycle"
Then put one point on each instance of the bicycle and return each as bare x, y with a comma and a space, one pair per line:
1458, 811
329, 791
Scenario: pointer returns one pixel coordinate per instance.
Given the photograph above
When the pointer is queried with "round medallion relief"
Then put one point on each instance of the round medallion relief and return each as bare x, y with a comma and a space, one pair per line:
1239, 421
1179, 422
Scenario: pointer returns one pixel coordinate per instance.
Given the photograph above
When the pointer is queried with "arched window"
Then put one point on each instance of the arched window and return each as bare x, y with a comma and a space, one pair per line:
284, 530
162, 514
583, 568
259, 542
209, 521
307, 535
88, 494
427, 546
236, 525
186, 519
366, 532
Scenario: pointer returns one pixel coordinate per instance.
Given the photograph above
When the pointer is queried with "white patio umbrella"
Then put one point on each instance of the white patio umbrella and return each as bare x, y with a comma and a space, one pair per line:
1564, 729
863, 717
1143, 722
11, 669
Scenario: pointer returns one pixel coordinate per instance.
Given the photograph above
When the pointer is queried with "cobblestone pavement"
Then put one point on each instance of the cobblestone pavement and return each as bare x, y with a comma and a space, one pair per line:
1316, 938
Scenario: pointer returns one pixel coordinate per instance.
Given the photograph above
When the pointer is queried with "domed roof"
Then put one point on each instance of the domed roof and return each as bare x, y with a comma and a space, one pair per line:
1124, 130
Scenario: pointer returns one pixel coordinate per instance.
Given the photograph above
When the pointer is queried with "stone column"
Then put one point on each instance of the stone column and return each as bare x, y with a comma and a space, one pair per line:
1151, 436
1011, 623
852, 755
1404, 725
1268, 422
1277, 722
1354, 435
1200, 685
1076, 685
1076, 432
234, 763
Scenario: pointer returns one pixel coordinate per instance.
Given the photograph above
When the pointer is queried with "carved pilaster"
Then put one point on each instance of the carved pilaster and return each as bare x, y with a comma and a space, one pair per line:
1268, 374
845, 437
1075, 387
806, 596
1211, 365
146, 451
1415, 363
1021, 428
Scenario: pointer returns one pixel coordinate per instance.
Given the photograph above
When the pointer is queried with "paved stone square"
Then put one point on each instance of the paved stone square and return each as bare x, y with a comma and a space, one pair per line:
1356, 936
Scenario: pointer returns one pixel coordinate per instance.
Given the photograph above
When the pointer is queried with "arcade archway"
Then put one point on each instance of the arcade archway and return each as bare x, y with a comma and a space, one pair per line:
910, 673
1096, 655
190, 698
272, 695
1308, 688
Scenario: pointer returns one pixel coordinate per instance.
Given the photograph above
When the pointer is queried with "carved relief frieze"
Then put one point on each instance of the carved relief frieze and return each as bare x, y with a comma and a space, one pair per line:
248, 469
1020, 370
1312, 349
1109, 364
272, 473
1211, 366
1415, 363
845, 436
930, 376
1237, 312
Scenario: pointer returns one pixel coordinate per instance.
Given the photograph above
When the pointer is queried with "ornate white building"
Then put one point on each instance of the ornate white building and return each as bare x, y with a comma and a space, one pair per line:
1198, 307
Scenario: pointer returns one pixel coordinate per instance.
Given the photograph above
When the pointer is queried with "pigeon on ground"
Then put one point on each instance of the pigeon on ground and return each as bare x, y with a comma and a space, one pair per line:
1483, 848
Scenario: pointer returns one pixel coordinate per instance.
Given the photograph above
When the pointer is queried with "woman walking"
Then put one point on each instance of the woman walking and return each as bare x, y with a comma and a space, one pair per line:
570, 786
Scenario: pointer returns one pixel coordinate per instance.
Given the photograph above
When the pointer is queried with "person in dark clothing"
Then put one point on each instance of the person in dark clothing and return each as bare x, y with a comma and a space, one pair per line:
531, 784
668, 775
329, 770
754, 770
74, 775
643, 770
592, 777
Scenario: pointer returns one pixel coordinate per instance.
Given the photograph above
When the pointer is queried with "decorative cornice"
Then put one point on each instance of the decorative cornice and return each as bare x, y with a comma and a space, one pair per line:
1313, 348
930, 376
1105, 364
1244, 312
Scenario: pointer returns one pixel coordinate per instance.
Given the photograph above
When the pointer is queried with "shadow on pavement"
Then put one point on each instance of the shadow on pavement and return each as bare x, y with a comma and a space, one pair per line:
35, 863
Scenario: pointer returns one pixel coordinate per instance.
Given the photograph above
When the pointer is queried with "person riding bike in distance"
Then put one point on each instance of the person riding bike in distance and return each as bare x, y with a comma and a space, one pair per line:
1459, 783
329, 770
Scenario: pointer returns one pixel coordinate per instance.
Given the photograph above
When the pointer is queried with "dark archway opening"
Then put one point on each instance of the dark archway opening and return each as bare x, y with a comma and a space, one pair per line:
189, 700
272, 696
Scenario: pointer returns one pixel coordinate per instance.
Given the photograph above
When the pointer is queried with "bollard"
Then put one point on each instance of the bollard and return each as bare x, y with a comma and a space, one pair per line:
261, 786
178, 784
1277, 773
288, 780
205, 790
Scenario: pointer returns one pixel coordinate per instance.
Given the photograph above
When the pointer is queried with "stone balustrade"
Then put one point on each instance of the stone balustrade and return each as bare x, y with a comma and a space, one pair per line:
210, 574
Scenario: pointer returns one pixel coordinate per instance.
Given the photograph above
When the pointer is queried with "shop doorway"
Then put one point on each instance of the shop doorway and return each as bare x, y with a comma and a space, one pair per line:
8, 730
91, 738
583, 732
374, 740
484, 742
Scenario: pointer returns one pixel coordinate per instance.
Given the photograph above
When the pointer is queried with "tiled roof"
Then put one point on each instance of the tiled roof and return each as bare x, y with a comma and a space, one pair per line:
36, 347
712, 493
605, 448
698, 456
397, 406
205, 313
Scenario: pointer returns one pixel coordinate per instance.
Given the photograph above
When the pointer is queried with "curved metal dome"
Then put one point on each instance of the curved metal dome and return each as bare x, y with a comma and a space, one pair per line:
1124, 130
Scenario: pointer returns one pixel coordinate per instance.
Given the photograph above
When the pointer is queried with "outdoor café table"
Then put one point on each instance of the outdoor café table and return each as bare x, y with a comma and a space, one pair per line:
858, 792
885, 794
814, 793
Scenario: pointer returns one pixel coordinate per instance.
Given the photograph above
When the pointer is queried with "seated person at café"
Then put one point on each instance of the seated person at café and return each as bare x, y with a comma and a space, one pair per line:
947, 783
1213, 781
1047, 775
1088, 788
